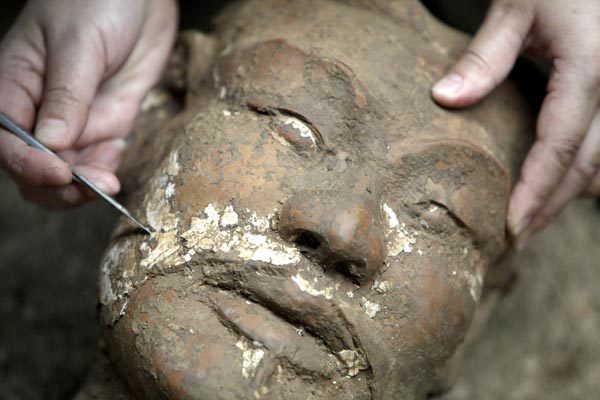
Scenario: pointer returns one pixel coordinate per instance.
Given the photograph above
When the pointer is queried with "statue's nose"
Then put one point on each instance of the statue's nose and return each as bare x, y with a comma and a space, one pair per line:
337, 230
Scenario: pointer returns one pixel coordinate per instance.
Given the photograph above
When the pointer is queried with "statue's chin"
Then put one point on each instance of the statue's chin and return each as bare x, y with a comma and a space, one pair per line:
192, 340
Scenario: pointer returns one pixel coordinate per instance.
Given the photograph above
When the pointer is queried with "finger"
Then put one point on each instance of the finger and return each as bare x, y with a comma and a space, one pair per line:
579, 176
60, 197
30, 165
562, 124
74, 69
74, 194
111, 115
106, 154
119, 98
490, 56
21, 85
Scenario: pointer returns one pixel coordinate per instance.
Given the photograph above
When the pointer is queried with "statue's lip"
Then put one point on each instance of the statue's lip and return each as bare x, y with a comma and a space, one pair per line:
294, 296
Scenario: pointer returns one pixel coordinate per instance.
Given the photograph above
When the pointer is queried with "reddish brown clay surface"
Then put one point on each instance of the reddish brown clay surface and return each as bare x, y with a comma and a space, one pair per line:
323, 229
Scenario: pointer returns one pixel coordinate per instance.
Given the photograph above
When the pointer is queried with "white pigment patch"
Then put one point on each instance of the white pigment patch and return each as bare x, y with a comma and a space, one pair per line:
166, 252
170, 190
217, 232
307, 287
379, 287
155, 98
301, 127
160, 192
398, 238
371, 308
229, 217
475, 282
391, 217
111, 260
353, 361
251, 358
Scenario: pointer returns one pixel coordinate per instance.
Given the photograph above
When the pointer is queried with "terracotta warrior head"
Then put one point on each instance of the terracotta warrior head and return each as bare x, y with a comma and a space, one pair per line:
323, 229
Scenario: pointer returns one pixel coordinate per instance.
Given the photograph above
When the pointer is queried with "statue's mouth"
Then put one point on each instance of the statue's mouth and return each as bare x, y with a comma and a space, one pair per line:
303, 298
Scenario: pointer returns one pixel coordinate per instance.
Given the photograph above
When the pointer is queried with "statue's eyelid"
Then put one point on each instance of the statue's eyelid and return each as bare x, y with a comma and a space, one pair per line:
297, 131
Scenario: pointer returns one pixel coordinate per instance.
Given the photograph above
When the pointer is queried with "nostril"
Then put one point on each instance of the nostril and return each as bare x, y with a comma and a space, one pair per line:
307, 240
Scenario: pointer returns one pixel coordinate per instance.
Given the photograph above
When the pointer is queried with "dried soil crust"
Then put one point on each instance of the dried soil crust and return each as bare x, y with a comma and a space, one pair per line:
312, 241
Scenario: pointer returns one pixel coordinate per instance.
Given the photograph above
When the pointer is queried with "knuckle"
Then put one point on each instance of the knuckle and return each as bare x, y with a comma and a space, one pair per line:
13, 163
478, 61
586, 170
510, 8
538, 197
562, 152
63, 96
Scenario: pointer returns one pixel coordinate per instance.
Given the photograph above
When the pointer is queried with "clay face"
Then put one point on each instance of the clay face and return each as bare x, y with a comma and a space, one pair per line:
310, 242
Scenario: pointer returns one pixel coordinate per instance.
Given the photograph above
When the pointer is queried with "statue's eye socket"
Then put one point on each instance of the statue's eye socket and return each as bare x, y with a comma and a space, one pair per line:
438, 218
297, 133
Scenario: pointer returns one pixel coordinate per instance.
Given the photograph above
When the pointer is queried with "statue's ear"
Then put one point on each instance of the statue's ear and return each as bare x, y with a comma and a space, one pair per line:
465, 179
192, 57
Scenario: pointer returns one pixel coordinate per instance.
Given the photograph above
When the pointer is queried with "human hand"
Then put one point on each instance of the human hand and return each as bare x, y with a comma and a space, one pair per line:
77, 71
564, 162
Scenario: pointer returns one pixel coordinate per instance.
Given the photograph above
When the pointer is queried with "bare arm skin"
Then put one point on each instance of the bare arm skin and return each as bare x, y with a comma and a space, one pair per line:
564, 162
75, 73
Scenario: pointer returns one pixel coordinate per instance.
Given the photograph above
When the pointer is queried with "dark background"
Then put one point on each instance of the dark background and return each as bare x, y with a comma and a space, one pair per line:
541, 343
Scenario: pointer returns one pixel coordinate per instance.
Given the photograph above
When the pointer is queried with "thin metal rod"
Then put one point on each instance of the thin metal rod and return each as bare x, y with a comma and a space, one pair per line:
22, 134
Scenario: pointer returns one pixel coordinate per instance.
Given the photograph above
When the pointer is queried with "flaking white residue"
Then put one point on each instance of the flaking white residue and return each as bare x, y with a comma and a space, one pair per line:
251, 358
155, 98
260, 223
110, 261
173, 166
371, 308
379, 286
170, 191
475, 282
161, 190
307, 287
398, 238
165, 254
353, 361
217, 233
302, 128
229, 217
391, 217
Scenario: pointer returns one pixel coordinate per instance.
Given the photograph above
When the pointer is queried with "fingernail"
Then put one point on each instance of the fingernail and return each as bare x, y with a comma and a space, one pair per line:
111, 155
52, 132
106, 187
449, 86
119, 143
517, 226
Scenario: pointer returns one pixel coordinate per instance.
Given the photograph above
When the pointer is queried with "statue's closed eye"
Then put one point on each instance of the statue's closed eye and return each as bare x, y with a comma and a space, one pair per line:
297, 133
437, 218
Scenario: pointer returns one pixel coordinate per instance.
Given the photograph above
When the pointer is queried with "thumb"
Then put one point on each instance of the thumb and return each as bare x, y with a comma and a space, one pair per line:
74, 70
490, 56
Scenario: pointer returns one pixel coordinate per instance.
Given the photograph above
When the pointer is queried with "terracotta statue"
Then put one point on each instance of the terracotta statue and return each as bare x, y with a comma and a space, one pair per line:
323, 230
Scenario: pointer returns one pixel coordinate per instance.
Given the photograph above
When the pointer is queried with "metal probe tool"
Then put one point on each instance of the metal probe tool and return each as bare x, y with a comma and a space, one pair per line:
28, 138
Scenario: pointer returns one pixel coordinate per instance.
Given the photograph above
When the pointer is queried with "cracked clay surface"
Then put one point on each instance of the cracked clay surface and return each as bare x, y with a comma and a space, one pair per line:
322, 229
